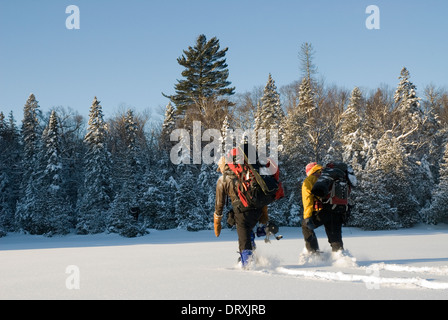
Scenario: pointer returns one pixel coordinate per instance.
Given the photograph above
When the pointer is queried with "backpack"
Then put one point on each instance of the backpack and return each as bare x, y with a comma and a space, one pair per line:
334, 186
257, 185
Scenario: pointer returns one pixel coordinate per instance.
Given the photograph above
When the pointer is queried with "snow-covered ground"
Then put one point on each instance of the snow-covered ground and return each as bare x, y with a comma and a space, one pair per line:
174, 264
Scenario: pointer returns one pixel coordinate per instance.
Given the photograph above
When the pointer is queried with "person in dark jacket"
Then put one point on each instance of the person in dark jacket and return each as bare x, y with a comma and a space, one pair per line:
245, 218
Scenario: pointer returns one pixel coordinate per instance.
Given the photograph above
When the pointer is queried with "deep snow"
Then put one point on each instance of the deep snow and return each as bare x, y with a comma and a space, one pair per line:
176, 264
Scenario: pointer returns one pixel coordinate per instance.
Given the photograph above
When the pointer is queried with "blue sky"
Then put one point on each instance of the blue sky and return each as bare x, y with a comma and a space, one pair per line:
125, 50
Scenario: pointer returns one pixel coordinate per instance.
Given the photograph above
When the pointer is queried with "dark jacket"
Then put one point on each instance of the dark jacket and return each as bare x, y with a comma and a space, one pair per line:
245, 219
226, 187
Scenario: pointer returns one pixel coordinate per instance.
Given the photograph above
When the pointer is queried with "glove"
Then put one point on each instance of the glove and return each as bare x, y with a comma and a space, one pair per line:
217, 223
309, 224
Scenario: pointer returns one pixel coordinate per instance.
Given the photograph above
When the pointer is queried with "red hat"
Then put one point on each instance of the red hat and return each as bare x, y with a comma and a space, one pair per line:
309, 167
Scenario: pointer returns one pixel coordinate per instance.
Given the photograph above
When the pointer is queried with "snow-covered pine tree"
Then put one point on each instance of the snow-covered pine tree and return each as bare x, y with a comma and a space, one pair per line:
386, 184
159, 199
55, 219
5, 211
378, 118
437, 212
128, 199
373, 210
169, 124
350, 133
415, 134
296, 153
270, 115
189, 210
96, 193
409, 115
351, 118
31, 132
10, 172
306, 98
29, 206
160, 187
317, 124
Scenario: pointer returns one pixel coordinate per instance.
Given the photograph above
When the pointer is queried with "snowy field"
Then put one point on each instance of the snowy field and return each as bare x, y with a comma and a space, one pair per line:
173, 264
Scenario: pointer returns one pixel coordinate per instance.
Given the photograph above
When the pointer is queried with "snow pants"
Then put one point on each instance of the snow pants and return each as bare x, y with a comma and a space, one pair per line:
245, 222
332, 221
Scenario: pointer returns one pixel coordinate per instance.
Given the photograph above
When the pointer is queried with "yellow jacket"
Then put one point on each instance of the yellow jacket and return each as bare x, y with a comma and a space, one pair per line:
307, 196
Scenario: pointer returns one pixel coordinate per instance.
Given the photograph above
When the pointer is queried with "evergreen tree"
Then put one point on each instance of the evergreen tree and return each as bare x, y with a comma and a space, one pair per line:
437, 212
409, 115
205, 75
309, 69
30, 132
169, 124
96, 193
189, 210
271, 112
416, 134
29, 206
373, 210
306, 103
385, 198
319, 122
351, 118
159, 200
55, 216
296, 154
351, 133
10, 172
129, 196
270, 115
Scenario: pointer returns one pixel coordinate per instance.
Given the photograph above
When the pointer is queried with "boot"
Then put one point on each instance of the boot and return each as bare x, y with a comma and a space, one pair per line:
336, 246
252, 240
246, 258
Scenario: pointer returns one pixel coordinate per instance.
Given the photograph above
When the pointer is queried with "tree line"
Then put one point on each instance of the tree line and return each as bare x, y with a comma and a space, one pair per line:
59, 174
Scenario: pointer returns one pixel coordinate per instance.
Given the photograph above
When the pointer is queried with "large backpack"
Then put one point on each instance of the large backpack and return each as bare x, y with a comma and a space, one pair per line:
257, 185
334, 185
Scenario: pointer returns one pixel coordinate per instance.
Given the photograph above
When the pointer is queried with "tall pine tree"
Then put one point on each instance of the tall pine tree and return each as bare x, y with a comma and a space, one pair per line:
270, 116
10, 172
128, 200
29, 206
205, 75
437, 212
55, 218
96, 194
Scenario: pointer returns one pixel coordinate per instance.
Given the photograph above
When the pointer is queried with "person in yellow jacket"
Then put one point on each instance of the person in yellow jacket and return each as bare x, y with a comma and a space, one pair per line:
316, 214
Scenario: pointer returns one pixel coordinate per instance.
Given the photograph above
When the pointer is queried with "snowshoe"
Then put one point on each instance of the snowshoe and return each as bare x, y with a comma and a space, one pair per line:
343, 258
268, 230
313, 258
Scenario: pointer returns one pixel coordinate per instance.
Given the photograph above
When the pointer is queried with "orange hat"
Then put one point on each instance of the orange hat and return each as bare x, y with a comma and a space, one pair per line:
309, 167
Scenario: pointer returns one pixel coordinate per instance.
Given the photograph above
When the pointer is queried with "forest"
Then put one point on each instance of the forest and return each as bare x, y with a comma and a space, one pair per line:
62, 173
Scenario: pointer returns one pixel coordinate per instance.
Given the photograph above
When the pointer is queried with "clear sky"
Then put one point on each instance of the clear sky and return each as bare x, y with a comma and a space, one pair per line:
125, 50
